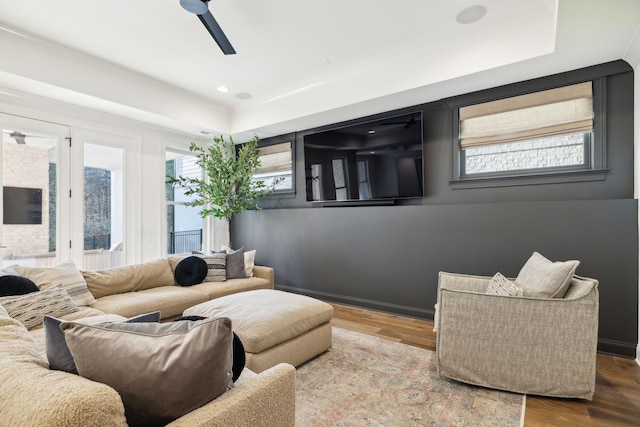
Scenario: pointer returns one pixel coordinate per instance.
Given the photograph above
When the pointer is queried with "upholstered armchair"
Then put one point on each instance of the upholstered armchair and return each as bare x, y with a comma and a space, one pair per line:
530, 345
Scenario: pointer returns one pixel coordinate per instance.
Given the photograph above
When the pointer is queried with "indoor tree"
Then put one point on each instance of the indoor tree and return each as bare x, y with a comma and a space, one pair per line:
228, 187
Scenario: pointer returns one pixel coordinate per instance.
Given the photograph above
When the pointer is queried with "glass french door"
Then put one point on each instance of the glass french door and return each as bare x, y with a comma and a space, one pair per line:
98, 179
33, 184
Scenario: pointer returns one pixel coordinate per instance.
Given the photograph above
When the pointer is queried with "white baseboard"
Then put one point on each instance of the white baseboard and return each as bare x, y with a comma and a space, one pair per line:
638, 354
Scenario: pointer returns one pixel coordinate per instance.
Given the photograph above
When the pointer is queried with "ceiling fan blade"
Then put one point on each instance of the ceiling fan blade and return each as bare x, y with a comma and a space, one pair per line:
218, 35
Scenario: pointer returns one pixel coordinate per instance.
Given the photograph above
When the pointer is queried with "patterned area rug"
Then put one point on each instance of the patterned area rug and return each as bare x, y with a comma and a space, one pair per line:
368, 381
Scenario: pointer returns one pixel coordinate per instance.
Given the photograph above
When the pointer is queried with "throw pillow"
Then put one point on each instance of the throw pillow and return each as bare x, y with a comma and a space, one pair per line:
249, 260
65, 274
216, 267
541, 278
9, 271
235, 264
3, 312
16, 285
161, 370
58, 353
500, 285
30, 309
191, 271
239, 356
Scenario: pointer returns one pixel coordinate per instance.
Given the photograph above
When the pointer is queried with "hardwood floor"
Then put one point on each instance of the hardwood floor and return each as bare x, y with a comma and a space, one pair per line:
617, 397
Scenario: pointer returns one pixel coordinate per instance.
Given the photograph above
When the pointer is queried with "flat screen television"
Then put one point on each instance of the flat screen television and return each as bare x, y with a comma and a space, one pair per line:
22, 205
379, 160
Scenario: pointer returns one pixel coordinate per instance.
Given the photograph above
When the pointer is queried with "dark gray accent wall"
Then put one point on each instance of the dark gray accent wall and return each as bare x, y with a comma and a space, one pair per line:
388, 257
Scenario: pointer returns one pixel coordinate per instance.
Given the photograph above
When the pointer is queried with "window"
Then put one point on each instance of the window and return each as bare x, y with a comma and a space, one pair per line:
276, 167
363, 180
184, 223
536, 134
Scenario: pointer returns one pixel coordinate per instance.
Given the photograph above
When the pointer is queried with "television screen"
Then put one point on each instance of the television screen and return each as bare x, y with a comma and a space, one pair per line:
374, 160
22, 205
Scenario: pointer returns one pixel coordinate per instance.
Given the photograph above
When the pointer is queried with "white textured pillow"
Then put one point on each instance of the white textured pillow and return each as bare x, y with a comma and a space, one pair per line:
500, 285
541, 278
30, 309
65, 274
249, 262
3, 312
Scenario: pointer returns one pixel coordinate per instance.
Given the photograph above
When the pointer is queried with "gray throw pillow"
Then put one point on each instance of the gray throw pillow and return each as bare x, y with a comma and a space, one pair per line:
161, 370
541, 278
58, 354
235, 264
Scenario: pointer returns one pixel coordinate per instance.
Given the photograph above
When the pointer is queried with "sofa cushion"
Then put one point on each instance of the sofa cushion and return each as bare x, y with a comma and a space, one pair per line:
216, 267
190, 271
161, 370
500, 285
16, 285
58, 353
541, 278
129, 278
65, 274
171, 301
30, 309
232, 286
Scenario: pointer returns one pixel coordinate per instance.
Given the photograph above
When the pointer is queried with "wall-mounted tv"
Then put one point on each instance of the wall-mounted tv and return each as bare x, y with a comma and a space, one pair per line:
379, 160
22, 205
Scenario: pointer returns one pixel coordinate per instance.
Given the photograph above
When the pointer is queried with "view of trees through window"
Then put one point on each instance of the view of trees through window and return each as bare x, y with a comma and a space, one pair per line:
97, 202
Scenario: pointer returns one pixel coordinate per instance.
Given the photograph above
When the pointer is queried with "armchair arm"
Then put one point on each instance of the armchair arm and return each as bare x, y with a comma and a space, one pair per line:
525, 345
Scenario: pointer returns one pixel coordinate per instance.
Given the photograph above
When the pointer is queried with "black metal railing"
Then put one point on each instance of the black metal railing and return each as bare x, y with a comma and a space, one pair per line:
184, 241
97, 242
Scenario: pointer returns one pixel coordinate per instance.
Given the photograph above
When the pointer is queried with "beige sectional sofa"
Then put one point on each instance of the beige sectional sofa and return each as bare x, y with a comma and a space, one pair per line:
34, 395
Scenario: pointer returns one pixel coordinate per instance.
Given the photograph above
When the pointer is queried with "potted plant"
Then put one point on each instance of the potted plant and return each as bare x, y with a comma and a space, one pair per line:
228, 187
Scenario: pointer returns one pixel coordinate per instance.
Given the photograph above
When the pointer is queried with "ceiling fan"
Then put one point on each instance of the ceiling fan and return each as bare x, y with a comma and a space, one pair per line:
201, 8
412, 121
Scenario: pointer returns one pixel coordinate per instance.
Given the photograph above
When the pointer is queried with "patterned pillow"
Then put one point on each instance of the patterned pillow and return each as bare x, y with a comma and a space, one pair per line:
216, 267
65, 274
500, 285
30, 309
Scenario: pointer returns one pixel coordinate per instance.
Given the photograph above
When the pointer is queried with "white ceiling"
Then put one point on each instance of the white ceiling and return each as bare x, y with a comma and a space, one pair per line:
304, 63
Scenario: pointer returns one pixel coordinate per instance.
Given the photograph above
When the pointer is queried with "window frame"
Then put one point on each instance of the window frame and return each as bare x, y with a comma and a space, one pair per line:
594, 169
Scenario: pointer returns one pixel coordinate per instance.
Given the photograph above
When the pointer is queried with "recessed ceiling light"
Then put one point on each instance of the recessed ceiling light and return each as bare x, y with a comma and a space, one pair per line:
244, 96
471, 14
223, 89
372, 131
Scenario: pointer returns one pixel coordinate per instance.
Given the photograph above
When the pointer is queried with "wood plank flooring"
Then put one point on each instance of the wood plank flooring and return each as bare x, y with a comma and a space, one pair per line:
616, 401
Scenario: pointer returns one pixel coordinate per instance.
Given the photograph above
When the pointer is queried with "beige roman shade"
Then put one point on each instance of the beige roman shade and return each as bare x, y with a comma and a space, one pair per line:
560, 111
275, 158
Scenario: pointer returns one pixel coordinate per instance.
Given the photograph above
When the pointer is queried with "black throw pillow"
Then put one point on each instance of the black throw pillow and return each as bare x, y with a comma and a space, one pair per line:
239, 358
16, 285
190, 271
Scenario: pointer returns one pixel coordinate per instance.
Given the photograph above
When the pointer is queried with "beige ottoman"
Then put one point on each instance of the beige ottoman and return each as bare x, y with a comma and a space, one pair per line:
274, 326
